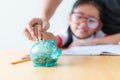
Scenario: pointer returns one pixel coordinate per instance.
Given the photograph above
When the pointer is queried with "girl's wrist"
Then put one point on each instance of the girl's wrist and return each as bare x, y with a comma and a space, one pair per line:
96, 41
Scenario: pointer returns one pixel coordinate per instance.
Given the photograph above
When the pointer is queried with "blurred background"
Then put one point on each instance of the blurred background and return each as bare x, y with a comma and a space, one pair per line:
15, 14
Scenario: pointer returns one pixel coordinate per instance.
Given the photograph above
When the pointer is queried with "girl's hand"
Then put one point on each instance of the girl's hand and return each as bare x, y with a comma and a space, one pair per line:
34, 32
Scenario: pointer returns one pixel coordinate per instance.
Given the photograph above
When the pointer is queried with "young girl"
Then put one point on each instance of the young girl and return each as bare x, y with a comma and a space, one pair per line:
84, 24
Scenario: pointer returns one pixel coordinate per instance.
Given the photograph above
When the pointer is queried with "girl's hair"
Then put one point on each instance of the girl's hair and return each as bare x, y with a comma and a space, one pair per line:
76, 4
70, 39
83, 2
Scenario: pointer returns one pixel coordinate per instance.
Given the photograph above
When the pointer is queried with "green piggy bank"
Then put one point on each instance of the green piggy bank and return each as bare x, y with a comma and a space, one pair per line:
45, 53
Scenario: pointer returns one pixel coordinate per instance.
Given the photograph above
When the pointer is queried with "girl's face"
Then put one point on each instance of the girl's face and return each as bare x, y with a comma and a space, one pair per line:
84, 21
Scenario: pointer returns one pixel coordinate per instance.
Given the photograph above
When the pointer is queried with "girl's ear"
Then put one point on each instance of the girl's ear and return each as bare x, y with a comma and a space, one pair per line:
69, 19
100, 27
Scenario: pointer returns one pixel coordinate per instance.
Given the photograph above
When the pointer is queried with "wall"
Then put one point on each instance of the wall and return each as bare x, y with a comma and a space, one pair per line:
15, 14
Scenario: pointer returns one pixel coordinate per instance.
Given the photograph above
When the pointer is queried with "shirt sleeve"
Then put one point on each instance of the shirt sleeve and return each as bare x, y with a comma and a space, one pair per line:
62, 36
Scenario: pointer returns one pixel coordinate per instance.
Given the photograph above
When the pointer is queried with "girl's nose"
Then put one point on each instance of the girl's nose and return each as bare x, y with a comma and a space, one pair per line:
82, 25
83, 20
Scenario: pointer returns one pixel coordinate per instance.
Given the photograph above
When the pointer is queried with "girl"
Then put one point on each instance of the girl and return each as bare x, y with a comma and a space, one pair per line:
84, 24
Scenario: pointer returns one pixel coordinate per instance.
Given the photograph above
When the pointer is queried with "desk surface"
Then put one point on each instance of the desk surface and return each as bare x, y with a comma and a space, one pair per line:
69, 68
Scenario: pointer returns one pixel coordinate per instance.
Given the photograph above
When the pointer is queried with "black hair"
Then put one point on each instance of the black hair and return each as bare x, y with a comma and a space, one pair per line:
90, 2
76, 4
70, 39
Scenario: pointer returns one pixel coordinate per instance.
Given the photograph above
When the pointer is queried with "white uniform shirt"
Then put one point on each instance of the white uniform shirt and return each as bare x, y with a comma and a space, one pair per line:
63, 36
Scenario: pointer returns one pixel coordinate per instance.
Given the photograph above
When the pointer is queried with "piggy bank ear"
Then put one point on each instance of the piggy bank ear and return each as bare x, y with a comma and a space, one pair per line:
53, 42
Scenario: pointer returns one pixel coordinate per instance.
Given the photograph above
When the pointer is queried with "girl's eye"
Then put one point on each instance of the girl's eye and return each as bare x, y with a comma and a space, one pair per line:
91, 21
79, 16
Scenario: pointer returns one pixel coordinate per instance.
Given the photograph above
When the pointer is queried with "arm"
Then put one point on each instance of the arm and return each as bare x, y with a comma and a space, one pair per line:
48, 8
112, 39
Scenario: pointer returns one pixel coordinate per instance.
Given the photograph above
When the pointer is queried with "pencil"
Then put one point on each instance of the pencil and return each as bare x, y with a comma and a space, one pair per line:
20, 61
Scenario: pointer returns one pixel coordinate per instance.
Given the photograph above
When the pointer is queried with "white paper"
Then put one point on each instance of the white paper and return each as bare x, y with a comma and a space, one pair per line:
93, 50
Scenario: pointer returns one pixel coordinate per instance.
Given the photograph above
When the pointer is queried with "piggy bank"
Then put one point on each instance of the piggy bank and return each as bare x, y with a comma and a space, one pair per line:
45, 53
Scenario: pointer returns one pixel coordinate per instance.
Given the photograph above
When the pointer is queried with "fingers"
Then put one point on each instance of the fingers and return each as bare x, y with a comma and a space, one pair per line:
34, 32
35, 21
30, 30
27, 34
43, 22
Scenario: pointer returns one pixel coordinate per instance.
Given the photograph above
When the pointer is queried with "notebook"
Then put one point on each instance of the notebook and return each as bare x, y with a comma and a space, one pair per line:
93, 50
